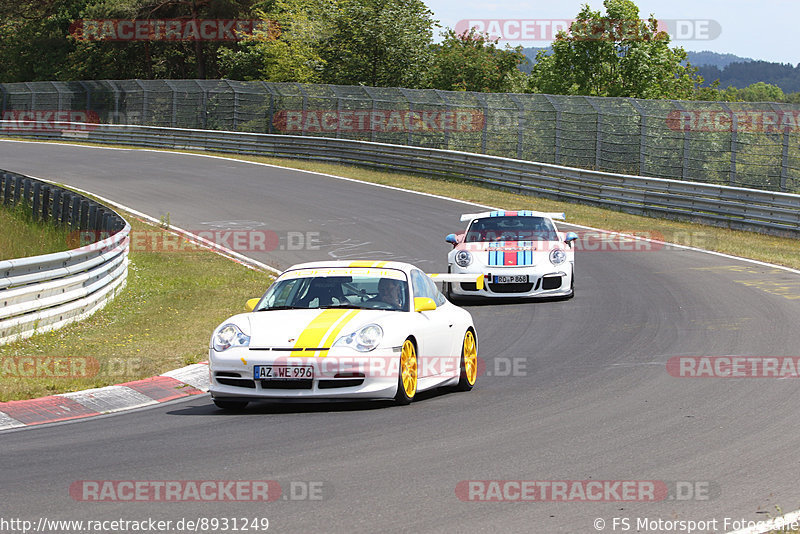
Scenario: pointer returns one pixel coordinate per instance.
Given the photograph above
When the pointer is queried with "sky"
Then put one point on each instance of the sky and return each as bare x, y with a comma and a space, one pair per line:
758, 29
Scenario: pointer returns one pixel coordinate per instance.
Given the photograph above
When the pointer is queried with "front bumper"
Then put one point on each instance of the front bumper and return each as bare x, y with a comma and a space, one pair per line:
554, 282
341, 374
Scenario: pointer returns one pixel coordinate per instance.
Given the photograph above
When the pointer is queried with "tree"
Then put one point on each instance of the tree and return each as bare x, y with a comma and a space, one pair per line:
616, 54
291, 53
379, 43
472, 62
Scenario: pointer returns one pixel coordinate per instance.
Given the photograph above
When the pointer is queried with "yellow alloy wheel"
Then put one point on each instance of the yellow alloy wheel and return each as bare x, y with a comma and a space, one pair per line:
469, 362
470, 358
407, 383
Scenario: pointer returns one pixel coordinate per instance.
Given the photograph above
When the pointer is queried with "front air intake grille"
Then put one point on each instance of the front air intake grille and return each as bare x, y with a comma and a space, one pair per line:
511, 288
551, 282
235, 380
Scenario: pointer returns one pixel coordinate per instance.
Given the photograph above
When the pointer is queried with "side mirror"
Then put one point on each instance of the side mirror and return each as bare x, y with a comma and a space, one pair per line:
422, 304
571, 236
251, 304
451, 238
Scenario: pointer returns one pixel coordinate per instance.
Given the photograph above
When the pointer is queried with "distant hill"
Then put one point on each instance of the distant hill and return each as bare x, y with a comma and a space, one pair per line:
741, 75
698, 59
715, 59
729, 69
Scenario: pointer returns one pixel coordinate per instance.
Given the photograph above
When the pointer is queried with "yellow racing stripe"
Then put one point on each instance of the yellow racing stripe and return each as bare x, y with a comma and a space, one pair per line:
338, 328
328, 322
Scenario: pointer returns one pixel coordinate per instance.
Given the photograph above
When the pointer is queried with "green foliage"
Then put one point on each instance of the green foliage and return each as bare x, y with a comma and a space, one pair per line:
615, 54
744, 73
383, 43
471, 62
757, 92
289, 54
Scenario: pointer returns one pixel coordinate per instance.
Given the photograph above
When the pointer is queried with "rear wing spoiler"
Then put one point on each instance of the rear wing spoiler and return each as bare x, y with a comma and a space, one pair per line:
452, 277
522, 213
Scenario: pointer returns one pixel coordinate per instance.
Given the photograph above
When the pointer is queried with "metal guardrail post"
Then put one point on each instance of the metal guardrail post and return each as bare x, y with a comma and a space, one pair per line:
374, 101
520, 124
784, 148
485, 129
37, 197
598, 160
174, 121
557, 108
5, 187
75, 214
410, 103
66, 199
685, 152
734, 142
26, 191
271, 108
443, 96
56, 209
305, 107
45, 203
642, 133
145, 107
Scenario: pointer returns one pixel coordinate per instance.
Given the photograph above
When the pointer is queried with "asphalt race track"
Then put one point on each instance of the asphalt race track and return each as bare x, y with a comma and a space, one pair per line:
591, 398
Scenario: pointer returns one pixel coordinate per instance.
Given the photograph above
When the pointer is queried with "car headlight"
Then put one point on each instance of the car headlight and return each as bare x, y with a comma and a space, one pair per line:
229, 336
364, 339
557, 256
463, 258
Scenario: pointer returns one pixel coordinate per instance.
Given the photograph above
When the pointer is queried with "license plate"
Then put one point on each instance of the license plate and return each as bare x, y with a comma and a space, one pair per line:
510, 279
283, 372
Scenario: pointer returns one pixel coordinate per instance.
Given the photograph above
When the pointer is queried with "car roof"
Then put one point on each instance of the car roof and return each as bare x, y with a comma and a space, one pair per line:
354, 264
506, 213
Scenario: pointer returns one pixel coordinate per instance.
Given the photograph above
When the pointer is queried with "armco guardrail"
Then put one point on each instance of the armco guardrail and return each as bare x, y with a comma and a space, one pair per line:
732, 207
738, 144
46, 292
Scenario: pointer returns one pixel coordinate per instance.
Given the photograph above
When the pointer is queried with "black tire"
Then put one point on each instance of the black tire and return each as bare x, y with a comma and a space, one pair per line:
231, 405
467, 378
408, 371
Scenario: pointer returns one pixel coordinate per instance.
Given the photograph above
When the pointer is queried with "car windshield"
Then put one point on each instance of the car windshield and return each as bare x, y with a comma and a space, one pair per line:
381, 289
511, 228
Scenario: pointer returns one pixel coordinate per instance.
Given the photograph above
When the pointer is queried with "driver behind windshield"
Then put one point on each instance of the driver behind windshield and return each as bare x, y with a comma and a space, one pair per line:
391, 292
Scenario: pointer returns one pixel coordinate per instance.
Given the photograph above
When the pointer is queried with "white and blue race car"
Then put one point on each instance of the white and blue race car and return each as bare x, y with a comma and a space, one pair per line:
519, 253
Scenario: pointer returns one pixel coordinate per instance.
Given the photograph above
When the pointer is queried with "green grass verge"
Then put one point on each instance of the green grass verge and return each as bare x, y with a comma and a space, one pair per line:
21, 236
162, 320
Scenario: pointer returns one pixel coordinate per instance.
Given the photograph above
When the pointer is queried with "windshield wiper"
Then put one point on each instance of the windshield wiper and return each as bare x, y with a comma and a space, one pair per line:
271, 308
346, 306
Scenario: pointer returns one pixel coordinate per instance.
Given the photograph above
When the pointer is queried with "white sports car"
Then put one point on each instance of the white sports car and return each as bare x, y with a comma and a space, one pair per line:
519, 253
339, 329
